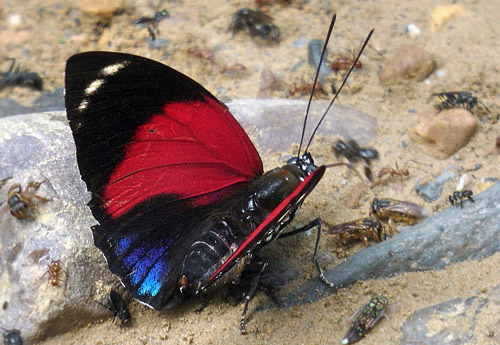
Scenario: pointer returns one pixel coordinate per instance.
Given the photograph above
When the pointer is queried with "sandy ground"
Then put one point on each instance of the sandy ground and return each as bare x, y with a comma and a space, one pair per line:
467, 52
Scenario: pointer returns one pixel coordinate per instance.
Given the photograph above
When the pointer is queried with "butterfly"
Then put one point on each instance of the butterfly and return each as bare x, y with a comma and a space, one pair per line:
178, 188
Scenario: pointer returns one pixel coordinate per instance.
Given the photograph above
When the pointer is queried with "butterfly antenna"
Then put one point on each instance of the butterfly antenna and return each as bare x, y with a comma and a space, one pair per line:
341, 86
332, 23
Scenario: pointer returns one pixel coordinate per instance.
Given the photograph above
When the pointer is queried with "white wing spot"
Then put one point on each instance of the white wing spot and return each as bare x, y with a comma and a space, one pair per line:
112, 69
94, 86
83, 105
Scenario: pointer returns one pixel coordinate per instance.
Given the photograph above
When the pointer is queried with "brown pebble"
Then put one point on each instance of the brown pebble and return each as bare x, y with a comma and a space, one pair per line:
442, 14
498, 142
101, 8
443, 134
269, 83
409, 62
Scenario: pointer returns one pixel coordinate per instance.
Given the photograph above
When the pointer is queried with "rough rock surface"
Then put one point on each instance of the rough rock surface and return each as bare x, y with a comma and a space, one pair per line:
39, 147
456, 322
453, 235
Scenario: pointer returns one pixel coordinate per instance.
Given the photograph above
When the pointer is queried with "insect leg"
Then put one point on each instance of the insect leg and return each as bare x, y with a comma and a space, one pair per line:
248, 297
315, 223
204, 302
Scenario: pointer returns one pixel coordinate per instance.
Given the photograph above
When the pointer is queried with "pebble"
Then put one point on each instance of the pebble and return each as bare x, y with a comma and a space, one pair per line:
443, 14
413, 30
431, 189
14, 20
268, 83
314, 48
100, 8
409, 62
443, 134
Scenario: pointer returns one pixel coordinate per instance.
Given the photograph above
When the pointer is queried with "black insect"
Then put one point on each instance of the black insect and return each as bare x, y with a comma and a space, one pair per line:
256, 22
12, 337
151, 23
15, 77
363, 229
118, 306
456, 99
458, 197
396, 210
354, 153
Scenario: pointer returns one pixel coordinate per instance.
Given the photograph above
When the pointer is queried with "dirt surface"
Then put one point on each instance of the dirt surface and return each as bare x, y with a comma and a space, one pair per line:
466, 48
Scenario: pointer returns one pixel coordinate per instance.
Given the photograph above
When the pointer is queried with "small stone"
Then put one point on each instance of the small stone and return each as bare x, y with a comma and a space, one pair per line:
14, 20
409, 62
443, 134
413, 30
443, 14
269, 83
101, 8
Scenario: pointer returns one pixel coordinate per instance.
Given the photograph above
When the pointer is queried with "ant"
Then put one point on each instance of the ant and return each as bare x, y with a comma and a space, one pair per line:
393, 172
20, 78
235, 68
206, 54
343, 62
118, 306
457, 197
151, 23
456, 99
354, 153
305, 89
21, 203
256, 22
54, 271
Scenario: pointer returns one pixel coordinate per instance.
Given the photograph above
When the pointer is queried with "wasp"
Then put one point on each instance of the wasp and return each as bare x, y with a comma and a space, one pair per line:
365, 319
118, 306
457, 197
14, 77
456, 99
354, 153
22, 203
395, 210
256, 22
363, 229
151, 23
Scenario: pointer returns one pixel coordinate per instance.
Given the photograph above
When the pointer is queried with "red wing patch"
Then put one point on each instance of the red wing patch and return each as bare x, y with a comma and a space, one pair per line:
192, 150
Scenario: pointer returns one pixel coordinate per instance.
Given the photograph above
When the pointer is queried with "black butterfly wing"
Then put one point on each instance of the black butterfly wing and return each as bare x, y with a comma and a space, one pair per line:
158, 152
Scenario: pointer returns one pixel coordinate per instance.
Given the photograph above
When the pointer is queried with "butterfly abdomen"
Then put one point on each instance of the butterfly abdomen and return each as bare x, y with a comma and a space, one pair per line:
225, 230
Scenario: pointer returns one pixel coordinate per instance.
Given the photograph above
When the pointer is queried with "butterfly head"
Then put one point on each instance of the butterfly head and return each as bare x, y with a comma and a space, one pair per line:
304, 163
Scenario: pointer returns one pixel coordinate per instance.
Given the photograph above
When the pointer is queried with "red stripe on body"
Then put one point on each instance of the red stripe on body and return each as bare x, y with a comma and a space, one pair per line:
264, 225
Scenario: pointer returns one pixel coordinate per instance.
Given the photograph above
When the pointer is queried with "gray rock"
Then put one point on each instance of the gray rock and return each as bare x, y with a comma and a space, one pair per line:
314, 48
40, 147
455, 322
453, 235
430, 191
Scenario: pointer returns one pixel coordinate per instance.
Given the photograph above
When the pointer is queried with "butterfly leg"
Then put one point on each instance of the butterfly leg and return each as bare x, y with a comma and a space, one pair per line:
204, 302
248, 296
315, 223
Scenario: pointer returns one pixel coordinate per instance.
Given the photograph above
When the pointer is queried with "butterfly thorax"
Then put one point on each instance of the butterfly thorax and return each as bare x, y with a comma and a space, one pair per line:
225, 229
